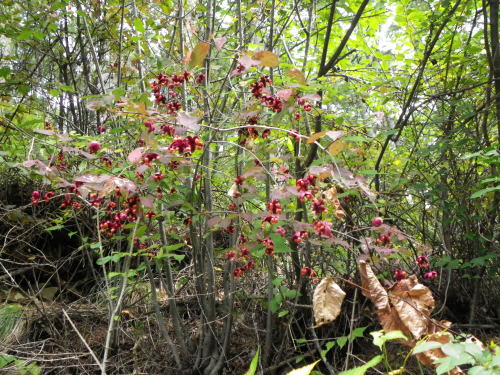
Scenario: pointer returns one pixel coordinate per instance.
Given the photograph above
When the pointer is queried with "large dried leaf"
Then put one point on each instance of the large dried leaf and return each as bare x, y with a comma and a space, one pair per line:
389, 320
327, 301
267, 58
372, 288
414, 303
198, 54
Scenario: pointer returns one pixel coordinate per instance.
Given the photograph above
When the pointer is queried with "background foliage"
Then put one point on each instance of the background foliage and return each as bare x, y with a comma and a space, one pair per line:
249, 146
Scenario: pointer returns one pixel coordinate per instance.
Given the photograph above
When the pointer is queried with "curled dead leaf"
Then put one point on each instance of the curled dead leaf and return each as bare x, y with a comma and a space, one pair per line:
327, 302
372, 288
414, 303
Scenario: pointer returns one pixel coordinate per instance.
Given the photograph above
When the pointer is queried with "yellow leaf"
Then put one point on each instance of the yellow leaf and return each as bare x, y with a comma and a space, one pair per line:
306, 370
327, 301
336, 147
200, 51
315, 137
297, 76
267, 58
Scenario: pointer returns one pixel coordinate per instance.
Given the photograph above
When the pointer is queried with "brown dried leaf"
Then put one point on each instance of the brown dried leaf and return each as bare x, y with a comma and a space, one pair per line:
389, 320
267, 58
414, 303
372, 288
327, 302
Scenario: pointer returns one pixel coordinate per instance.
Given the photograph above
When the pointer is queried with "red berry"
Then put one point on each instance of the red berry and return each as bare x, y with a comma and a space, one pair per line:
94, 146
377, 221
400, 275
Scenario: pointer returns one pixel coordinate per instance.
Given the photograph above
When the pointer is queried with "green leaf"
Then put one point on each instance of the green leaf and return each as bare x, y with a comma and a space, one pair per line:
139, 26
4, 71
328, 346
380, 338
362, 369
24, 35
5, 360
482, 192
358, 332
254, 363
55, 227
448, 363
306, 370
66, 88
283, 313
341, 341
425, 346
356, 138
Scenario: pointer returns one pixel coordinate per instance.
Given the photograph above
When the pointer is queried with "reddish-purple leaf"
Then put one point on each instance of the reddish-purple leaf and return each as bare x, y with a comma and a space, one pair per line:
189, 121
136, 155
43, 169
334, 135
148, 201
312, 97
284, 94
219, 42
248, 62
44, 131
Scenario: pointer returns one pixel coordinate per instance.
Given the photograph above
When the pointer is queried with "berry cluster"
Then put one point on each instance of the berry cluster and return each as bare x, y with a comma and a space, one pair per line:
274, 207
303, 184
272, 102
36, 196
307, 107
323, 228
238, 272
150, 125
244, 256
299, 236
423, 262
271, 219
118, 217
169, 84
400, 275
383, 239
307, 271
94, 146
168, 130
185, 146
60, 162
269, 245
294, 134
